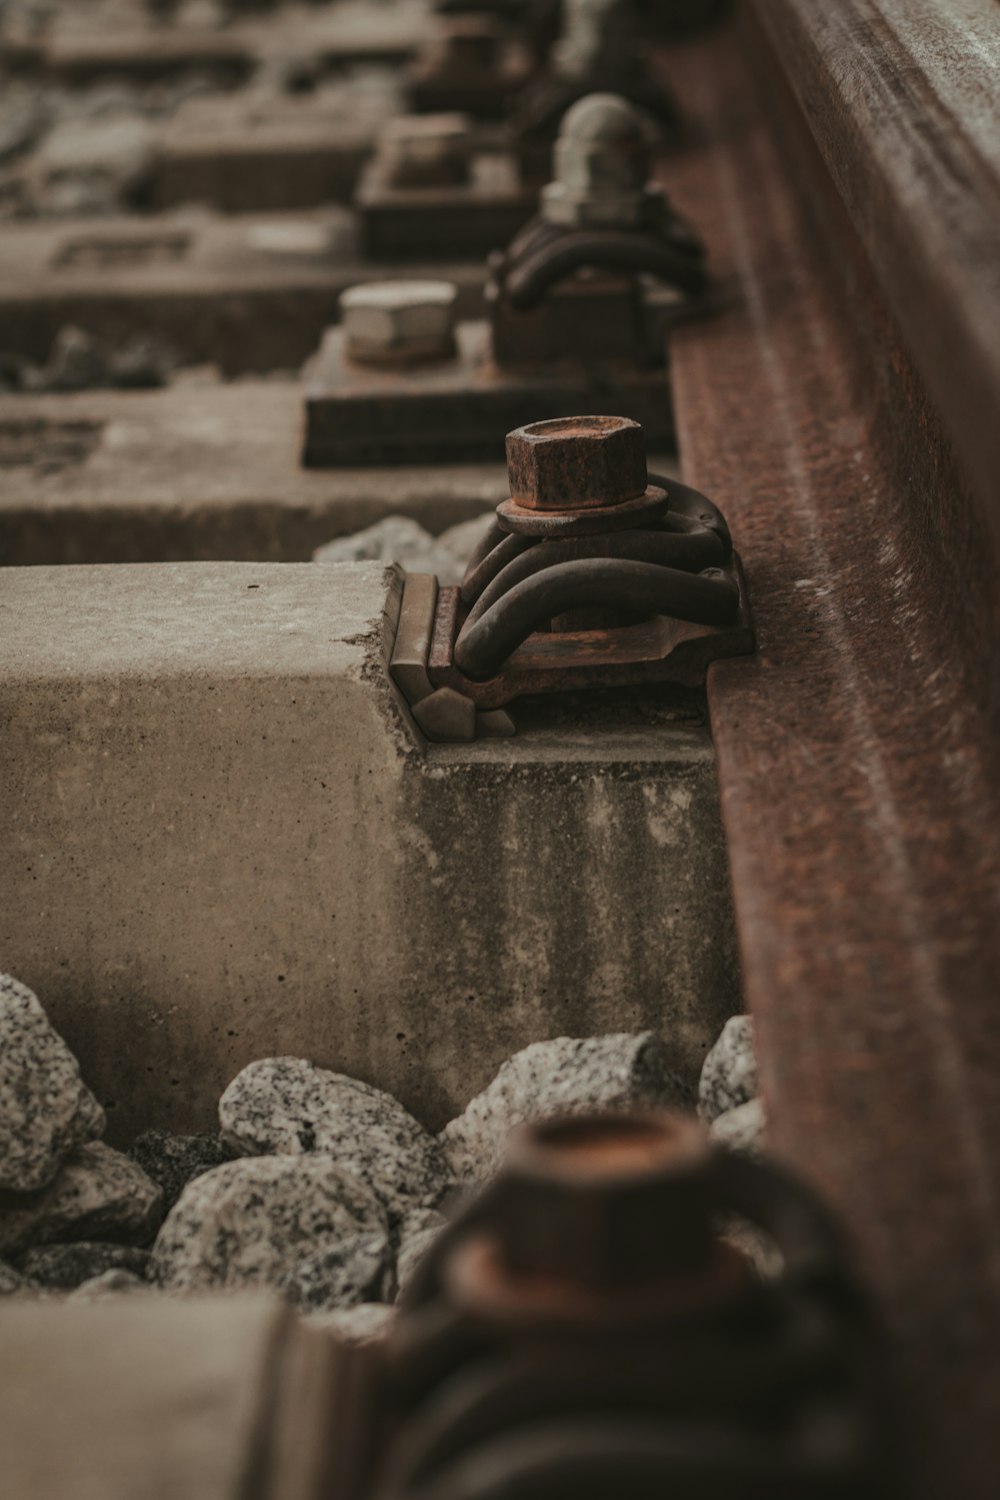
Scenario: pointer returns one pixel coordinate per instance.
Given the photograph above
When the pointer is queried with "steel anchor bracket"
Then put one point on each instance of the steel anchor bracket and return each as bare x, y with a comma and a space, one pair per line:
583, 1328
594, 574
431, 187
580, 305
470, 63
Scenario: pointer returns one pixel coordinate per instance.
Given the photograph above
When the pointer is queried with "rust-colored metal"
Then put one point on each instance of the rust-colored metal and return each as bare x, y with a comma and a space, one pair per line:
431, 190
460, 221
576, 463
601, 1219
658, 650
584, 1325
623, 515
618, 589
901, 100
562, 290
858, 755
575, 325
630, 589
470, 63
545, 254
458, 410
408, 661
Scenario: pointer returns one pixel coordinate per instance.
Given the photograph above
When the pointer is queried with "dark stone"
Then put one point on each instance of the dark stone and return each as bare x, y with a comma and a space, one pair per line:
172, 1161
63, 1267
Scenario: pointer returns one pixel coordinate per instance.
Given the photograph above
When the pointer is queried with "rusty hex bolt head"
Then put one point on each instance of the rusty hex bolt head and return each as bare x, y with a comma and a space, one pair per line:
427, 150
466, 41
607, 1202
398, 321
576, 463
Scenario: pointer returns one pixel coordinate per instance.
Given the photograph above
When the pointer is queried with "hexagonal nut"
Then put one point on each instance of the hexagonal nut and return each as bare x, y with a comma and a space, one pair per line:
607, 1201
427, 150
389, 321
576, 463
466, 41
429, 133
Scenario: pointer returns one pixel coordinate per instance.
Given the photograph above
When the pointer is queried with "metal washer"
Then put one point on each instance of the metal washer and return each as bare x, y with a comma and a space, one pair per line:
591, 522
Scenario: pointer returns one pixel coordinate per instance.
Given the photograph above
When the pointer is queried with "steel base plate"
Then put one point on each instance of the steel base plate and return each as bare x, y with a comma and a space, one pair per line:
660, 649
459, 410
465, 221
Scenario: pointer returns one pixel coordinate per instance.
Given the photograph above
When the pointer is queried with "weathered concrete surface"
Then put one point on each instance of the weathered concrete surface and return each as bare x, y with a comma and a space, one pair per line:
256, 149
198, 474
251, 292
148, 1396
221, 843
79, 47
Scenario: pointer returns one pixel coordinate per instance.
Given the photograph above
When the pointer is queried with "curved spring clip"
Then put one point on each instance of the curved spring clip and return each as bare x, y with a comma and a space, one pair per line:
681, 1415
545, 254
690, 552
514, 584
617, 583
690, 510
644, 1457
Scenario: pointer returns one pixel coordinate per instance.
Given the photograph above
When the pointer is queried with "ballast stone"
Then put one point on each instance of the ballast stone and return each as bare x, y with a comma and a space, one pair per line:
12, 1283
742, 1128
110, 1284
46, 1109
78, 361
400, 539
566, 1076
116, 152
286, 1106
172, 1161
729, 1073
417, 1234
252, 1222
397, 539
363, 1324
98, 1194
63, 1267
352, 1271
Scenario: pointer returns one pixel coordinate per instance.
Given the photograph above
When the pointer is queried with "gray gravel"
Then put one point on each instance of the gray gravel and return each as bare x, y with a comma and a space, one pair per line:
729, 1072
63, 1267
565, 1076
356, 1325
12, 1283
46, 1108
417, 1234
252, 1223
287, 1106
110, 1284
742, 1128
172, 1161
80, 362
354, 1270
98, 1194
402, 540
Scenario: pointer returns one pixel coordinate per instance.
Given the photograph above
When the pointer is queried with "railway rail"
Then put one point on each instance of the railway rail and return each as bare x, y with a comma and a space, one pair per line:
837, 414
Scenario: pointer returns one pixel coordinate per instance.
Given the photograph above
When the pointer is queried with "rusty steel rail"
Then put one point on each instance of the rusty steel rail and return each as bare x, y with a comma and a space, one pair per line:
901, 98
858, 754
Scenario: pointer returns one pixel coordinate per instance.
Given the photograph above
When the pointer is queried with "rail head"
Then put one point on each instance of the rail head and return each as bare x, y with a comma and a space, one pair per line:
901, 97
